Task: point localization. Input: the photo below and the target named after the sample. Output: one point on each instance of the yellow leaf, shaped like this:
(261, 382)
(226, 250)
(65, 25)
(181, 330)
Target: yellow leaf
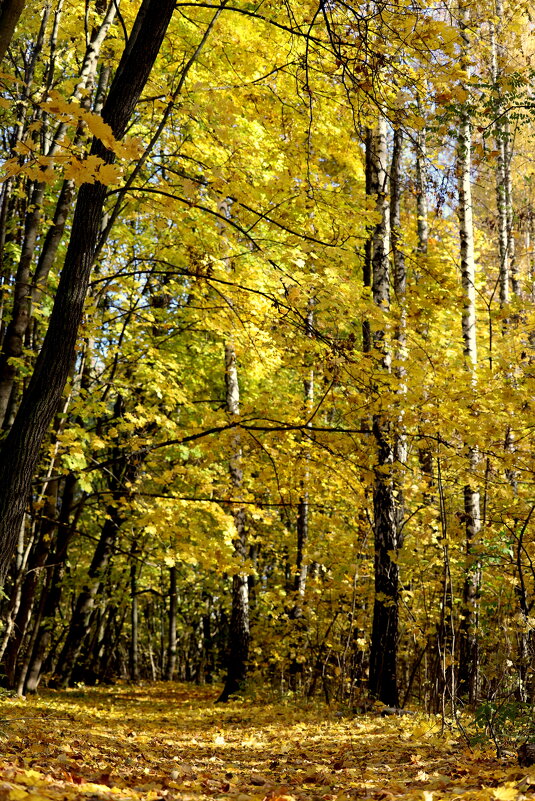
(506, 793)
(109, 174)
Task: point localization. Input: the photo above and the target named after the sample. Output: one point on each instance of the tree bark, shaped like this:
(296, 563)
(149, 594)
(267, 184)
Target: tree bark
(468, 642)
(371, 189)
(170, 663)
(500, 143)
(10, 11)
(382, 681)
(134, 621)
(303, 509)
(239, 634)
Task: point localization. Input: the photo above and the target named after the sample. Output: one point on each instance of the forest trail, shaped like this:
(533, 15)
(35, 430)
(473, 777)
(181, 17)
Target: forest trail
(172, 742)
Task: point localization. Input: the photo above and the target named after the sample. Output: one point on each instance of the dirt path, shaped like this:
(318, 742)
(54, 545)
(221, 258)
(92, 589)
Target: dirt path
(172, 742)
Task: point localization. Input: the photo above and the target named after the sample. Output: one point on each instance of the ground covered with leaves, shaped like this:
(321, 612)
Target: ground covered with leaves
(172, 742)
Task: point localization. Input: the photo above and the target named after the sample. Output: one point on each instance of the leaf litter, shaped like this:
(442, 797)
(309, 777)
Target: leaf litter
(170, 741)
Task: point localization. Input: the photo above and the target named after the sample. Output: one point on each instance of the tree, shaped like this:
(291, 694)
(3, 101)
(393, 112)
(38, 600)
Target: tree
(21, 448)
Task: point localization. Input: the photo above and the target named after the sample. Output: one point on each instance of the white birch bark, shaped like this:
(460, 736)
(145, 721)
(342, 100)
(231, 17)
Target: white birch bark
(383, 651)
(380, 239)
(500, 144)
(239, 634)
(468, 657)
(239, 629)
(303, 508)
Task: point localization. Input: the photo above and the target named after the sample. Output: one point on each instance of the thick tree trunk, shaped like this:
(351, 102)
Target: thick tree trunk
(383, 653)
(21, 449)
(10, 11)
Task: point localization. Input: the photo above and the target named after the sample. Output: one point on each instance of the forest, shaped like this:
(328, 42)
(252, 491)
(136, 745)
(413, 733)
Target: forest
(267, 334)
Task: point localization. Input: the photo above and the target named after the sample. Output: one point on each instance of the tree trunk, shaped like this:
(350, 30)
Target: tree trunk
(170, 664)
(10, 11)
(85, 604)
(20, 453)
(468, 643)
(400, 290)
(134, 623)
(383, 651)
(303, 510)
(371, 189)
(239, 635)
(500, 143)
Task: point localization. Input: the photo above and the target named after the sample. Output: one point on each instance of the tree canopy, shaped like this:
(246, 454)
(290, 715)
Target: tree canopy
(267, 287)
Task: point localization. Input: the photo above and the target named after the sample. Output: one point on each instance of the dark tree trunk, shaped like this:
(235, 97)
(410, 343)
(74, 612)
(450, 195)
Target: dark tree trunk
(134, 623)
(238, 638)
(383, 654)
(20, 454)
(85, 604)
(170, 664)
(10, 11)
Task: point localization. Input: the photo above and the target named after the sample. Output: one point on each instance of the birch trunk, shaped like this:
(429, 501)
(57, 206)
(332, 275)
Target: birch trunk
(303, 507)
(425, 454)
(468, 641)
(384, 642)
(371, 190)
(400, 290)
(239, 634)
(500, 136)
(303, 511)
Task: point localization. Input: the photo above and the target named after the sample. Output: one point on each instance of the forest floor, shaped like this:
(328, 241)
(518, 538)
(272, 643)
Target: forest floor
(171, 742)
